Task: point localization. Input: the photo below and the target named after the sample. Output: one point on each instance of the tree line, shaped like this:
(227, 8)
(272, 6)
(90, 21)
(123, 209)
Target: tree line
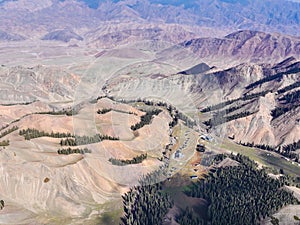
(277, 76)
(278, 111)
(284, 150)
(240, 194)
(123, 162)
(4, 143)
(218, 119)
(146, 119)
(292, 147)
(288, 88)
(105, 110)
(68, 151)
(8, 131)
(245, 97)
(85, 140)
(172, 110)
(175, 113)
(291, 97)
(290, 102)
(31, 133)
(70, 112)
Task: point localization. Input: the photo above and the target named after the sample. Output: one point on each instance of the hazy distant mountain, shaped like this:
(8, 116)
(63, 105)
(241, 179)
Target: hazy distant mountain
(222, 14)
(4, 36)
(120, 34)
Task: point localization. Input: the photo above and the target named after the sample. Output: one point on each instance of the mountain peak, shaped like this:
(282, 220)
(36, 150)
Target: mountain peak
(244, 34)
(62, 35)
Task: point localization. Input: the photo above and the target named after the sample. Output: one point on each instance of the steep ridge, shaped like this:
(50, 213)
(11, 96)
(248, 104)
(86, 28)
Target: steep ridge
(269, 124)
(246, 114)
(246, 46)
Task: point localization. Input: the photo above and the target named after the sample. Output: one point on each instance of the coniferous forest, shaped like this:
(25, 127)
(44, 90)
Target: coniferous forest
(235, 195)
(146, 204)
(241, 194)
(146, 119)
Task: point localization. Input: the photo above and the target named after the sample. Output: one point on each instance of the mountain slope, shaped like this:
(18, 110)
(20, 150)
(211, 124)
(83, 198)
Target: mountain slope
(19, 84)
(62, 35)
(108, 36)
(243, 46)
(247, 93)
(4, 36)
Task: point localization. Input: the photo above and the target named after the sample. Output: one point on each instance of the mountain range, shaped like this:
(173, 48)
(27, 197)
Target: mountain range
(95, 94)
(230, 15)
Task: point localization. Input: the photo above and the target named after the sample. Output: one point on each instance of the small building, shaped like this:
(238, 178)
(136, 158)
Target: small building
(206, 138)
(178, 154)
(200, 148)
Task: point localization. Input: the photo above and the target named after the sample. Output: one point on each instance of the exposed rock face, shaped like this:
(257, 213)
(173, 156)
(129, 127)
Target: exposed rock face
(211, 88)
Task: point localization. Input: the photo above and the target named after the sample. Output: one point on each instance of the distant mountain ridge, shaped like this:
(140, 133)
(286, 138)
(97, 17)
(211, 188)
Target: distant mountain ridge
(231, 15)
(246, 45)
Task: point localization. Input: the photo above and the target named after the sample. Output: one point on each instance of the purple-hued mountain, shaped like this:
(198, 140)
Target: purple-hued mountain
(50, 15)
